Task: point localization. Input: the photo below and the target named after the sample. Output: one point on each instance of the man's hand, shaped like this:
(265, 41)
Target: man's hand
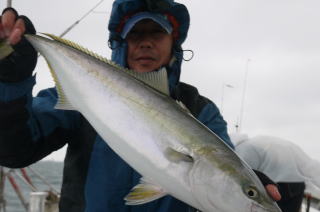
(16, 65)
(11, 27)
(269, 185)
(273, 192)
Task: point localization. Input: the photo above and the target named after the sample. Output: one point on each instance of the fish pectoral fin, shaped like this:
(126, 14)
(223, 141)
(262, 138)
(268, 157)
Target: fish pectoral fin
(143, 193)
(177, 156)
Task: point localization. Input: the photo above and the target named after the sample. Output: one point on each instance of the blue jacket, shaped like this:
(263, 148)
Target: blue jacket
(94, 178)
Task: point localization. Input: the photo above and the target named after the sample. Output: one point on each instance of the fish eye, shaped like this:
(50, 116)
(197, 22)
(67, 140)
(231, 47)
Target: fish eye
(251, 192)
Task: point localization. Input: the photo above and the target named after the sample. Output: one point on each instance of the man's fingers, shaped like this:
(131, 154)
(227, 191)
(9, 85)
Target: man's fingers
(11, 28)
(17, 32)
(20, 24)
(15, 36)
(273, 192)
(8, 20)
(2, 35)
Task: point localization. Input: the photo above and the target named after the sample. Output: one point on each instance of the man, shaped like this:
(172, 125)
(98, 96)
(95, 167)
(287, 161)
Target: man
(285, 163)
(144, 36)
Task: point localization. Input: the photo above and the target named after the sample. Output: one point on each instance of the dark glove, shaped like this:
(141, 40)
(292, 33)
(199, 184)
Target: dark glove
(20, 64)
(265, 180)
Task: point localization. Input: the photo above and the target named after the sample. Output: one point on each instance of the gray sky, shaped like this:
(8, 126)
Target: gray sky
(280, 37)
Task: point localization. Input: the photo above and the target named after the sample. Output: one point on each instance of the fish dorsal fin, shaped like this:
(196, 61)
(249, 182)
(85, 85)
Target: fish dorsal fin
(62, 103)
(144, 192)
(158, 80)
(79, 47)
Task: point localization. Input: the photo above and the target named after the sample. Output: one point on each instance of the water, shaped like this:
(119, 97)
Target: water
(51, 171)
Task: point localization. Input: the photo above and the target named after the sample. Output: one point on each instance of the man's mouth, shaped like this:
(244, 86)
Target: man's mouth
(145, 59)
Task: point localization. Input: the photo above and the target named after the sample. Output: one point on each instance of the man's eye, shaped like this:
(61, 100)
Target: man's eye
(133, 35)
(154, 33)
(160, 31)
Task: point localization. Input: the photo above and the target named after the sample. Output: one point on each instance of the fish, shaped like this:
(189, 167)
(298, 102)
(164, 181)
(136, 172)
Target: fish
(156, 135)
(5, 49)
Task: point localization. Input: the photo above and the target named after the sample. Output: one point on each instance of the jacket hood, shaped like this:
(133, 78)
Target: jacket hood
(123, 8)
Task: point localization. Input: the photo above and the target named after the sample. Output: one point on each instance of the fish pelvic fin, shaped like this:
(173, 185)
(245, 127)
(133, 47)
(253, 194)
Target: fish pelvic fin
(5, 49)
(144, 192)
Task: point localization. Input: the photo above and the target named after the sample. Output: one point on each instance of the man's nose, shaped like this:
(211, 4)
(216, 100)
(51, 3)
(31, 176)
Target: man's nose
(145, 43)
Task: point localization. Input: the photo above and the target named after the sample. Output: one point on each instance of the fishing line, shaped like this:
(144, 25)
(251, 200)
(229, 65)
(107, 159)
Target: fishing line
(78, 21)
(83, 17)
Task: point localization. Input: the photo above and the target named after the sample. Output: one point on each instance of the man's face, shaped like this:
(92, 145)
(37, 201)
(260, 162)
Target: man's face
(149, 46)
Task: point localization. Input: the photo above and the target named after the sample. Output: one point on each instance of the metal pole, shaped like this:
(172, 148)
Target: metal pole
(222, 95)
(26, 177)
(24, 180)
(9, 3)
(2, 183)
(17, 190)
(43, 180)
(239, 124)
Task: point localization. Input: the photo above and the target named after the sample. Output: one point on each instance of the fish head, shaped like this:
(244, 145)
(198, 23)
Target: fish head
(233, 189)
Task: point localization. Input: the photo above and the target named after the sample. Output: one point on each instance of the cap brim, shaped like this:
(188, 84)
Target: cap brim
(158, 18)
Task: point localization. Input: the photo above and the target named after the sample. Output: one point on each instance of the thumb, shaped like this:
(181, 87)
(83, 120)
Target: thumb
(273, 192)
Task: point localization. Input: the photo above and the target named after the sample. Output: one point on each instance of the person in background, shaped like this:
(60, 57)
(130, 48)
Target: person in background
(145, 36)
(285, 163)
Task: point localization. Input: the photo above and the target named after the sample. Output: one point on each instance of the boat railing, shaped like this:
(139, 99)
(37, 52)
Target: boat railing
(38, 201)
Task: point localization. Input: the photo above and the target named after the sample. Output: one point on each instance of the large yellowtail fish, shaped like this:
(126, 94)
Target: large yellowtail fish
(133, 113)
(5, 49)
